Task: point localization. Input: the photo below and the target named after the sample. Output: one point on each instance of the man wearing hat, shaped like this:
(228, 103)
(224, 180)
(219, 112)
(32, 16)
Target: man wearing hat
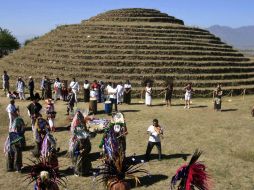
(31, 87)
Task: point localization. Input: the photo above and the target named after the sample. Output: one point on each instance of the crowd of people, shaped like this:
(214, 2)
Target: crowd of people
(43, 127)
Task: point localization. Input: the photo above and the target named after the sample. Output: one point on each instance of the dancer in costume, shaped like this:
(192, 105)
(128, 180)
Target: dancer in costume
(81, 149)
(13, 152)
(191, 176)
(115, 173)
(148, 97)
(51, 114)
(49, 150)
(188, 93)
(155, 131)
(41, 129)
(217, 95)
(45, 176)
(18, 126)
(80, 145)
(114, 138)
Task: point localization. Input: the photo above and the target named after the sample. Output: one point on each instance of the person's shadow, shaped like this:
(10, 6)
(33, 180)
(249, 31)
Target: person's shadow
(147, 180)
(163, 156)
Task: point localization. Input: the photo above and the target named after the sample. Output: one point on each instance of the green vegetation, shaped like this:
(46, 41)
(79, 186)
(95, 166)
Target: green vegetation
(8, 42)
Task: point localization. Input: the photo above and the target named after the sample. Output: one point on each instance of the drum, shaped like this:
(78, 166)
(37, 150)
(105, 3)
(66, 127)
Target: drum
(108, 107)
(93, 105)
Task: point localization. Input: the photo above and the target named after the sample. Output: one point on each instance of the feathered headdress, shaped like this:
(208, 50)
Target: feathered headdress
(41, 168)
(191, 175)
(120, 169)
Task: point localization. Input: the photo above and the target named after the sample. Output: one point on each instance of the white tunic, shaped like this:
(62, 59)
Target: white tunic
(148, 96)
(120, 91)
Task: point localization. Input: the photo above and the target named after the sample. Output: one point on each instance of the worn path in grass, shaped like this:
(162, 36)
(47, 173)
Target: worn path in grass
(226, 138)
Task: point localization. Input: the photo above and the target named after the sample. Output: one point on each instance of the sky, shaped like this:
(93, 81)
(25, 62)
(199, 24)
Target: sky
(26, 18)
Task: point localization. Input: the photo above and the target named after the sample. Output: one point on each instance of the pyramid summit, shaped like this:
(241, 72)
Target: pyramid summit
(134, 44)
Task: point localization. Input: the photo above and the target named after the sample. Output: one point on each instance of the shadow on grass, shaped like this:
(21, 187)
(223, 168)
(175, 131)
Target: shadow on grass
(63, 128)
(62, 153)
(94, 156)
(173, 105)
(28, 128)
(125, 111)
(162, 104)
(146, 181)
(226, 110)
(200, 106)
(28, 148)
(164, 156)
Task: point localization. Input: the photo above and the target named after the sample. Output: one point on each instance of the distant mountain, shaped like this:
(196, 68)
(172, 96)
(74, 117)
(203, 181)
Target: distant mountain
(23, 38)
(240, 38)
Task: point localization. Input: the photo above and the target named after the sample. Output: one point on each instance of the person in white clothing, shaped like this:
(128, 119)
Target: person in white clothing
(75, 88)
(120, 91)
(187, 97)
(21, 88)
(148, 97)
(58, 89)
(112, 91)
(12, 112)
(155, 131)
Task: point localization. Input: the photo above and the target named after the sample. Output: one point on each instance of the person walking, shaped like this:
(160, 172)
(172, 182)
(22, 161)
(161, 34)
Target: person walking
(217, 95)
(120, 92)
(86, 91)
(155, 132)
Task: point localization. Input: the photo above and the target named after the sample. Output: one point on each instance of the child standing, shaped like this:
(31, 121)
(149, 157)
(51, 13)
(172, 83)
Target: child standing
(71, 100)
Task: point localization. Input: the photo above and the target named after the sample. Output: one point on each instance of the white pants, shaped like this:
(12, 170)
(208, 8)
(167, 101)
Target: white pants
(21, 95)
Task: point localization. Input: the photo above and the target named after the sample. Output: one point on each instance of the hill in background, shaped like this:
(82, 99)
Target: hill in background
(240, 38)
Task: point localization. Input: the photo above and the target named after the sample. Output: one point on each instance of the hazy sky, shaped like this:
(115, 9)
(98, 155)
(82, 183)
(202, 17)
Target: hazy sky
(36, 17)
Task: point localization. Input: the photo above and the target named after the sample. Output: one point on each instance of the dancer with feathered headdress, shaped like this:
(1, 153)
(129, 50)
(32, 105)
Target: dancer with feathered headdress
(45, 176)
(115, 172)
(192, 175)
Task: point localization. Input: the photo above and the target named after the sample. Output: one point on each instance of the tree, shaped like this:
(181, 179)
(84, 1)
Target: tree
(8, 42)
(30, 40)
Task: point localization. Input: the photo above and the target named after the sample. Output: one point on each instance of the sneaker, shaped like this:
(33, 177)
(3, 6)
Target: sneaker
(76, 175)
(188, 107)
(185, 107)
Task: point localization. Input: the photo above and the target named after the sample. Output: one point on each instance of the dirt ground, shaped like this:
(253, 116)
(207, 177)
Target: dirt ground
(226, 139)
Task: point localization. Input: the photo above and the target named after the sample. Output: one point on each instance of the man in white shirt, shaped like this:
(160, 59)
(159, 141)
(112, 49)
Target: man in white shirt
(75, 88)
(155, 131)
(12, 112)
(112, 95)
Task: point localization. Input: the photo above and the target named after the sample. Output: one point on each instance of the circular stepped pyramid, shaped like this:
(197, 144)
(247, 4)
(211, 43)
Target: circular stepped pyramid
(135, 44)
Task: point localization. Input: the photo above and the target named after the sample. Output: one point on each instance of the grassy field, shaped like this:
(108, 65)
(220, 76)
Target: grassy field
(226, 138)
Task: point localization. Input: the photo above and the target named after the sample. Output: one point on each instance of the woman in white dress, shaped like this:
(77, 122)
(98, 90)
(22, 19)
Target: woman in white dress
(188, 92)
(148, 91)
